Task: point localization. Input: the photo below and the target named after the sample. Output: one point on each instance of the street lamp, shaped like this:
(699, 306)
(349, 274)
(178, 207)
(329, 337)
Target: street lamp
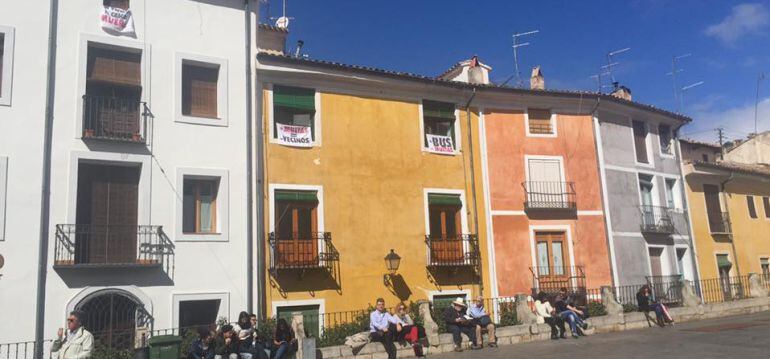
(392, 262)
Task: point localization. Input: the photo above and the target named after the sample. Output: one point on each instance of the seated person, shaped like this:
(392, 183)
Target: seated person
(646, 304)
(407, 330)
(201, 348)
(283, 340)
(482, 320)
(226, 343)
(569, 314)
(457, 322)
(382, 328)
(547, 314)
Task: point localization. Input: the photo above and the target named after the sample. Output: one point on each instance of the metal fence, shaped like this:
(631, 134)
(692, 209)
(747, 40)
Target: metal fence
(549, 195)
(723, 289)
(89, 245)
(115, 119)
(24, 350)
(453, 251)
(656, 219)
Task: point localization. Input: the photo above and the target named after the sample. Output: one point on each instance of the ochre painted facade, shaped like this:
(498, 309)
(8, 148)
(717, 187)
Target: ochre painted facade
(374, 174)
(508, 147)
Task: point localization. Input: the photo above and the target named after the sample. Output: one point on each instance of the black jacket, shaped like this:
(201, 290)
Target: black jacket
(643, 302)
(450, 314)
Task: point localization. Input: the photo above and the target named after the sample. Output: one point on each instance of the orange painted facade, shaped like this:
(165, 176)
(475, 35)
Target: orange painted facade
(508, 148)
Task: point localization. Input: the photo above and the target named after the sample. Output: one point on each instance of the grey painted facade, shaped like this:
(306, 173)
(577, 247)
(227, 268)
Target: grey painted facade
(631, 242)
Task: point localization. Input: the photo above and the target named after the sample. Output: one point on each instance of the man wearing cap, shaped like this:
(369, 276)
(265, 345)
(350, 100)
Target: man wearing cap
(457, 323)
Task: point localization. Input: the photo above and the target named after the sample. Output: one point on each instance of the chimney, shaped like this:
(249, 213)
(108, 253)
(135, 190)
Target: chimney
(621, 92)
(272, 39)
(536, 80)
(470, 71)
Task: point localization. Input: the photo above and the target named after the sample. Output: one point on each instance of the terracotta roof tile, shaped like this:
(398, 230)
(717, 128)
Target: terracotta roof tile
(752, 169)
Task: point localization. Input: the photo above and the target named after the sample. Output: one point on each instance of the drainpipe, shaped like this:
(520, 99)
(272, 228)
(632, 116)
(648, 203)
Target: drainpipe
(473, 180)
(45, 191)
(727, 210)
(249, 145)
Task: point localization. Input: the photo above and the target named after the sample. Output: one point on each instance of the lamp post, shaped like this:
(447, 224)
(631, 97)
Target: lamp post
(392, 262)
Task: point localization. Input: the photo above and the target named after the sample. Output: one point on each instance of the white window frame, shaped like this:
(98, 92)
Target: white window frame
(687, 265)
(566, 228)
(456, 127)
(6, 91)
(655, 194)
(268, 88)
(222, 88)
(548, 135)
(3, 193)
(527, 158)
(272, 187)
(223, 204)
(761, 257)
(321, 303)
(177, 298)
(121, 44)
(670, 140)
(675, 195)
(647, 144)
(458, 292)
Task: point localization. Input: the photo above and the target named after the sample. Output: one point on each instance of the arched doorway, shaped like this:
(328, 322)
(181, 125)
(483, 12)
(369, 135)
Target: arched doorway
(113, 316)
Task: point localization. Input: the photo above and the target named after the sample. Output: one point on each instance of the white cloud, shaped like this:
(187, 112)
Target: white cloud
(744, 19)
(737, 121)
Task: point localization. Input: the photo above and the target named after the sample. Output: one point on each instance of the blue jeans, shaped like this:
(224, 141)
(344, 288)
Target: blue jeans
(281, 351)
(571, 318)
(658, 310)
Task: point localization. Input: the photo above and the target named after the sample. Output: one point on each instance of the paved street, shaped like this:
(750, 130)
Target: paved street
(732, 337)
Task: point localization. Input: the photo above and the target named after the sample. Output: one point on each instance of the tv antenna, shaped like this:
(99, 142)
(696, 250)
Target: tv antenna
(608, 67)
(599, 80)
(282, 21)
(686, 88)
(760, 77)
(675, 70)
(516, 46)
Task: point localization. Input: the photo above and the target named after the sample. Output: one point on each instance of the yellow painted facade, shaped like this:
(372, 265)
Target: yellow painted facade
(749, 242)
(374, 174)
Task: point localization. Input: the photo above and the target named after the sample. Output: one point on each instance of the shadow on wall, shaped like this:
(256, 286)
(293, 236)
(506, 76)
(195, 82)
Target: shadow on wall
(397, 285)
(453, 276)
(290, 281)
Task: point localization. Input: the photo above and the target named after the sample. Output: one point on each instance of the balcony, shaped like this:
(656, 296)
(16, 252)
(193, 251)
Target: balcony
(108, 246)
(550, 279)
(302, 252)
(114, 119)
(448, 252)
(719, 223)
(542, 195)
(656, 219)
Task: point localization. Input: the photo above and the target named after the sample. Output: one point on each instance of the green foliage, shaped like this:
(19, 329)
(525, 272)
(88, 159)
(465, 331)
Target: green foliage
(628, 308)
(437, 312)
(189, 337)
(596, 309)
(414, 312)
(266, 328)
(101, 352)
(336, 335)
(508, 315)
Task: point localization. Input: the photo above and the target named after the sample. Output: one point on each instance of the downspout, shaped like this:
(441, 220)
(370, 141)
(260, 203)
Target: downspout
(258, 200)
(473, 180)
(45, 191)
(727, 209)
(249, 184)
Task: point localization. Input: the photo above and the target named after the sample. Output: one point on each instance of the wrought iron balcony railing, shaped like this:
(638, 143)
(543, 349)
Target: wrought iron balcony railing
(453, 251)
(656, 219)
(86, 245)
(720, 223)
(552, 278)
(302, 251)
(549, 195)
(114, 119)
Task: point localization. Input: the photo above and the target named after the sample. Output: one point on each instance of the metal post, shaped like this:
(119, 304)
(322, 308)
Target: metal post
(249, 194)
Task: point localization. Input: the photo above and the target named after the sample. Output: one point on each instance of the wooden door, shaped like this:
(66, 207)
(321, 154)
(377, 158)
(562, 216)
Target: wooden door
(553, 266)
(446, 234)
(297, 233)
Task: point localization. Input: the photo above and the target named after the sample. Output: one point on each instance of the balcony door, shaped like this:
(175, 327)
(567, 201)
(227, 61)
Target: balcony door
(107, 214)
(445, 213)
(714, 208)
(552, 260)
(296, 228)
(546, 187)
(113, 91)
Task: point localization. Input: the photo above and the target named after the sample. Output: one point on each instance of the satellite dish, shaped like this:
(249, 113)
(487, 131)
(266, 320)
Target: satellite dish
(282, 22)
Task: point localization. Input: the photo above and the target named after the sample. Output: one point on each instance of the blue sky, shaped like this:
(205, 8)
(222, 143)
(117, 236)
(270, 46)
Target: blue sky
(729, 42)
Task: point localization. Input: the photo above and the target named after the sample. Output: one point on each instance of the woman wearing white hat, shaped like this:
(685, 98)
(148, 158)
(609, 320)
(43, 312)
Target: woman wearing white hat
(457, 322)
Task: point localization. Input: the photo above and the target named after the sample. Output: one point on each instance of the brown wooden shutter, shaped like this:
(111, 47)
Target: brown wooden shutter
(114, 66)
(640, 141)
(766, 203)
(199, 90)
(752, 208)
(713, 208)
(539, 121)
(122, 4)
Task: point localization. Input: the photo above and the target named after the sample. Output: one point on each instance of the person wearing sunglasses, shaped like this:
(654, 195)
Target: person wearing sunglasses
(77, 342)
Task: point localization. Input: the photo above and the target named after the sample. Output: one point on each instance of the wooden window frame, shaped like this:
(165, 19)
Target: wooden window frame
(444, 209)
(766, 205)
(646, 160)
(549, 247)
(214, 209)
(294, 207)
(551, 122)
(121, 4)
(275, 109)
(425, 120)
(188, 90)
(752, 207)
(668, 150)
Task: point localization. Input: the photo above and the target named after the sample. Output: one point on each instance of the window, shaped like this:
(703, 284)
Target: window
(122, 4)
(199, 90)
(200, 205)
(310, 315)
(3, 192)
(680, 260)
(445, 300)
(646, 188)
(764, 264)
(752, 209)
(671, 200)
(296, 227)
(705, 157)
(664, 133)
(196, 313)
(539, 122)
(438, 121)
(766, 204)
(656, 261)
(717, 220)
(6, 64)
(294, 115)
(445, 226)
(640, 141)
(550, 251)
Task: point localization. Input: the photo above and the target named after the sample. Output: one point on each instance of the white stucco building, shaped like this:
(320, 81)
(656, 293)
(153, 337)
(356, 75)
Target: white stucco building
(148, 210)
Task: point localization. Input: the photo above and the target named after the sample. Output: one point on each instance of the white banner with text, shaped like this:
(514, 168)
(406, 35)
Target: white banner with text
(299, 136)
(440, 144)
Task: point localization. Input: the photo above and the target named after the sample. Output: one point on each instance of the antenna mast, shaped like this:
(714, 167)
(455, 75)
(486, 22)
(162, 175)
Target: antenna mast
(611, 64)
(675, 70)
(517, 45)
(681, 93)
(760, 77)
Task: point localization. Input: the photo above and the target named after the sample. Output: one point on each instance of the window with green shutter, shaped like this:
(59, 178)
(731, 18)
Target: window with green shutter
(438, 119)
(293, 106)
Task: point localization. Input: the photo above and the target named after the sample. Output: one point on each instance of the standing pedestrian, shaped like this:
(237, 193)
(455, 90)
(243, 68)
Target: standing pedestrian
(76, 342)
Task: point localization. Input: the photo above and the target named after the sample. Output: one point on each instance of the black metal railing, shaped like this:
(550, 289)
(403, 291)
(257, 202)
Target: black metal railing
(453, 251)
(540, 128)
(24, 350)
(550, 279)
(720, 223)
(549, 195)
(108, 245)
(723, 289)
(666, 288)
(656, 219)
(302, 251)
(115, 119)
